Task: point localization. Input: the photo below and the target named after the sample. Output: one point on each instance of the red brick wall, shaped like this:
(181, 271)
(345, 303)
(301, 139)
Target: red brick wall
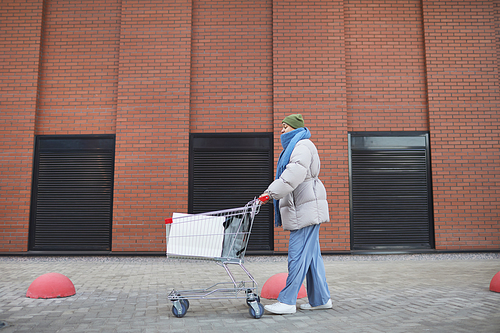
(385, 66)
(464, 115)
(79, 67)
(153, 71)
(309, 78)
(152, 126)
(231, 66)
(20, 29)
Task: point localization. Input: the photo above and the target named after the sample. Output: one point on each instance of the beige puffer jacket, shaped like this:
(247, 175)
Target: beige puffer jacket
(302, 195)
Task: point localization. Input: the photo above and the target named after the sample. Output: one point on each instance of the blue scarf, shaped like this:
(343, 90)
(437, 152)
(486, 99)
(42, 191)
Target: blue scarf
(288, 141)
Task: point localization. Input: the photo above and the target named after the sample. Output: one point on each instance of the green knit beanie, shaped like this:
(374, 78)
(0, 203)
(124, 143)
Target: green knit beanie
(294, 120)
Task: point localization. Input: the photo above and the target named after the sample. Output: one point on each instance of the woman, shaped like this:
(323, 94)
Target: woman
(300, 206)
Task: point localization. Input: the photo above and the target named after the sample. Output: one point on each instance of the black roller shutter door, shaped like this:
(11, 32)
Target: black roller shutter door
(72, 193)
(227, 171)
(391, 205)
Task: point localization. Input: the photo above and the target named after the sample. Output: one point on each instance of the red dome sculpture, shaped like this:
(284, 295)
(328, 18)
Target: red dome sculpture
(51, 285)
(495, 283)
(273, 286)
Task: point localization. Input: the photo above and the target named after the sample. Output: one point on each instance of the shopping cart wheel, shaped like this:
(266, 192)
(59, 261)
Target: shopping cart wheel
(186, 303)
(179, 308)
(257, 299)
(256, 309)
(251, 296)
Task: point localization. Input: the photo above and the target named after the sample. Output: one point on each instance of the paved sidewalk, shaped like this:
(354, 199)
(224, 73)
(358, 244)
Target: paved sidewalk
(386, 293)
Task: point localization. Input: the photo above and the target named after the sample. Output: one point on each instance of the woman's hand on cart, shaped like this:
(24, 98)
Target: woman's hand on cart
(264, 198)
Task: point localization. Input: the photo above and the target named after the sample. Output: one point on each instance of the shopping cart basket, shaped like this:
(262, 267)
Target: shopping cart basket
(221, 236)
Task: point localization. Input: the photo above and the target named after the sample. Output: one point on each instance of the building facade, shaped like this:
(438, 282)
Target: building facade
(115, 113)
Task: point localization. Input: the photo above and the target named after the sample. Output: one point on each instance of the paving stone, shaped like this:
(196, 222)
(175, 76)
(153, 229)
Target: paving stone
(370, 293)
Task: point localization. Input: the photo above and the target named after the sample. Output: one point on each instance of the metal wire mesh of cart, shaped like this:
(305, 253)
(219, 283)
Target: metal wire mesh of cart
(221, 236)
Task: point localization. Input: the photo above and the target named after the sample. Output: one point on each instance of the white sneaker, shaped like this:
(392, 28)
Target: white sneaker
(308, 306)
(281, 308)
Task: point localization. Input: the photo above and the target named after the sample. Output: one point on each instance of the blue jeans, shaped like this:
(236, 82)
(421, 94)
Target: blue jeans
(305, 261)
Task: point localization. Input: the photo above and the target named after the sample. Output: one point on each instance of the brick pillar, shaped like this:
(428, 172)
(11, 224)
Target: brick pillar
(309, 78)
(20, 25)
(152, 126)
(385, 66)
(79, 67)
(231, 66)
(461, 45)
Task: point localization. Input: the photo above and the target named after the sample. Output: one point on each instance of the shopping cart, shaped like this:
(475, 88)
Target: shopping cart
(221, 236)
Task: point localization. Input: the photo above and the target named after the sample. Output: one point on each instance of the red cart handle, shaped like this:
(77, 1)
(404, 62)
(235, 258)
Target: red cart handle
(264, 198)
